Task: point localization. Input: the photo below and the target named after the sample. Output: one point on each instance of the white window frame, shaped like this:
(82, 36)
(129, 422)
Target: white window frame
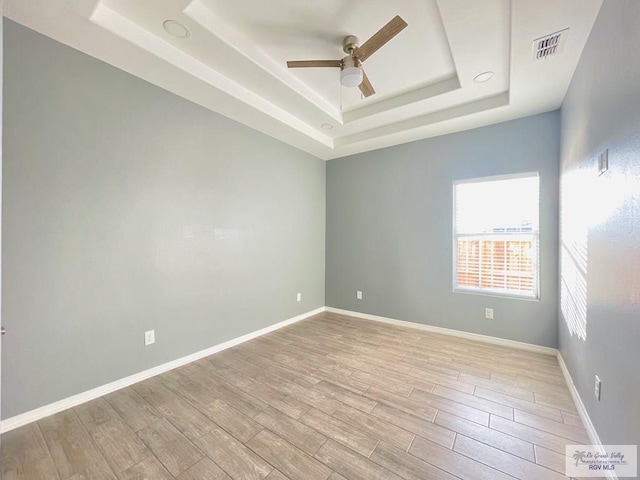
(534, 235)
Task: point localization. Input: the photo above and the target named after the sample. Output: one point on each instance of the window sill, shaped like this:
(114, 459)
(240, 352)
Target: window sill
(485, 293)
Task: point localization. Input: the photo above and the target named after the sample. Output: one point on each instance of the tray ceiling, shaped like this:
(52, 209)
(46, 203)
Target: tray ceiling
(233, 60)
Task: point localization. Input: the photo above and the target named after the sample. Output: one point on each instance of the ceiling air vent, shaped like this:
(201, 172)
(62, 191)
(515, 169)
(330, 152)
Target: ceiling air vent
(549, 45)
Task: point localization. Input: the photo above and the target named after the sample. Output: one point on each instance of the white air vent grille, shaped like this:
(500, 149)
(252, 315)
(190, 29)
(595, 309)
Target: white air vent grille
(549, 45)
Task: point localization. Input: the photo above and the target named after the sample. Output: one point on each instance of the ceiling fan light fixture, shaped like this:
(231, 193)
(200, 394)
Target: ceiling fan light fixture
(351, 76)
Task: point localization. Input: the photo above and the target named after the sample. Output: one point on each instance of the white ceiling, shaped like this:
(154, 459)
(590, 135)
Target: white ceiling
(234, 61)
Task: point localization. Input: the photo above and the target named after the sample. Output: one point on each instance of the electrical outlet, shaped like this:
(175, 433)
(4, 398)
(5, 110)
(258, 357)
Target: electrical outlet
(359, 295)
(299, 297)
(488, 313)
(598, 386)
(149, 337)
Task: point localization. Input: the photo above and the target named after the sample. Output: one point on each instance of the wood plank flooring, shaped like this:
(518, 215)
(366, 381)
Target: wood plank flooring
(331, 397)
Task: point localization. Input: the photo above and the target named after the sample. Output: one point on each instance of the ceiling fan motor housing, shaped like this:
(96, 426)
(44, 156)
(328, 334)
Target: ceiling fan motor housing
(350, 44)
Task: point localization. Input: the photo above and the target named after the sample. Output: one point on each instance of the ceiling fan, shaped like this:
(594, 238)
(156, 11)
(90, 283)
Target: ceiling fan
(351, 72)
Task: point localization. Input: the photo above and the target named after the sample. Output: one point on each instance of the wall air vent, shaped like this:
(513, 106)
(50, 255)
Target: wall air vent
(549, 45)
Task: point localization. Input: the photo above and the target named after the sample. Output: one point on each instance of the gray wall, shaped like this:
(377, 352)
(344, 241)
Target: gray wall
(389, 229)
(602, 110)
(125, 209)
(1, 77)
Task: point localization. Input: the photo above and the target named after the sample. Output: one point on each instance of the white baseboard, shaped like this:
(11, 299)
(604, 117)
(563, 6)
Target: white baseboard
(41, 412)
(582, 411)
(447, 331)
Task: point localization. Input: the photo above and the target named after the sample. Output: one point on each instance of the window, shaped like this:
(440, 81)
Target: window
(496, 235)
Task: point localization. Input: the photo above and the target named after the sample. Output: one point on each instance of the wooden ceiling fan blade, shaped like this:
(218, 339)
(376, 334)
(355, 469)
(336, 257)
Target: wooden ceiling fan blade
(314, 63)
(365, 87)
(382, 36)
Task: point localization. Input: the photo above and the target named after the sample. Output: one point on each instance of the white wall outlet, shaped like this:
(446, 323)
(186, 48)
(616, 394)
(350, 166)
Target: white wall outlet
(359, 295)
(598, 386)
(488, 313)
(299, 297)
(149, 337)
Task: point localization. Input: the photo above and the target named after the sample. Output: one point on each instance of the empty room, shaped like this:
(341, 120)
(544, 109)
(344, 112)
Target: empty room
(328, 240)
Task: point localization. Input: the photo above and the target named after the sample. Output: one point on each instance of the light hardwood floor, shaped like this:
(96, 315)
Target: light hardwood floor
(331, 397)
